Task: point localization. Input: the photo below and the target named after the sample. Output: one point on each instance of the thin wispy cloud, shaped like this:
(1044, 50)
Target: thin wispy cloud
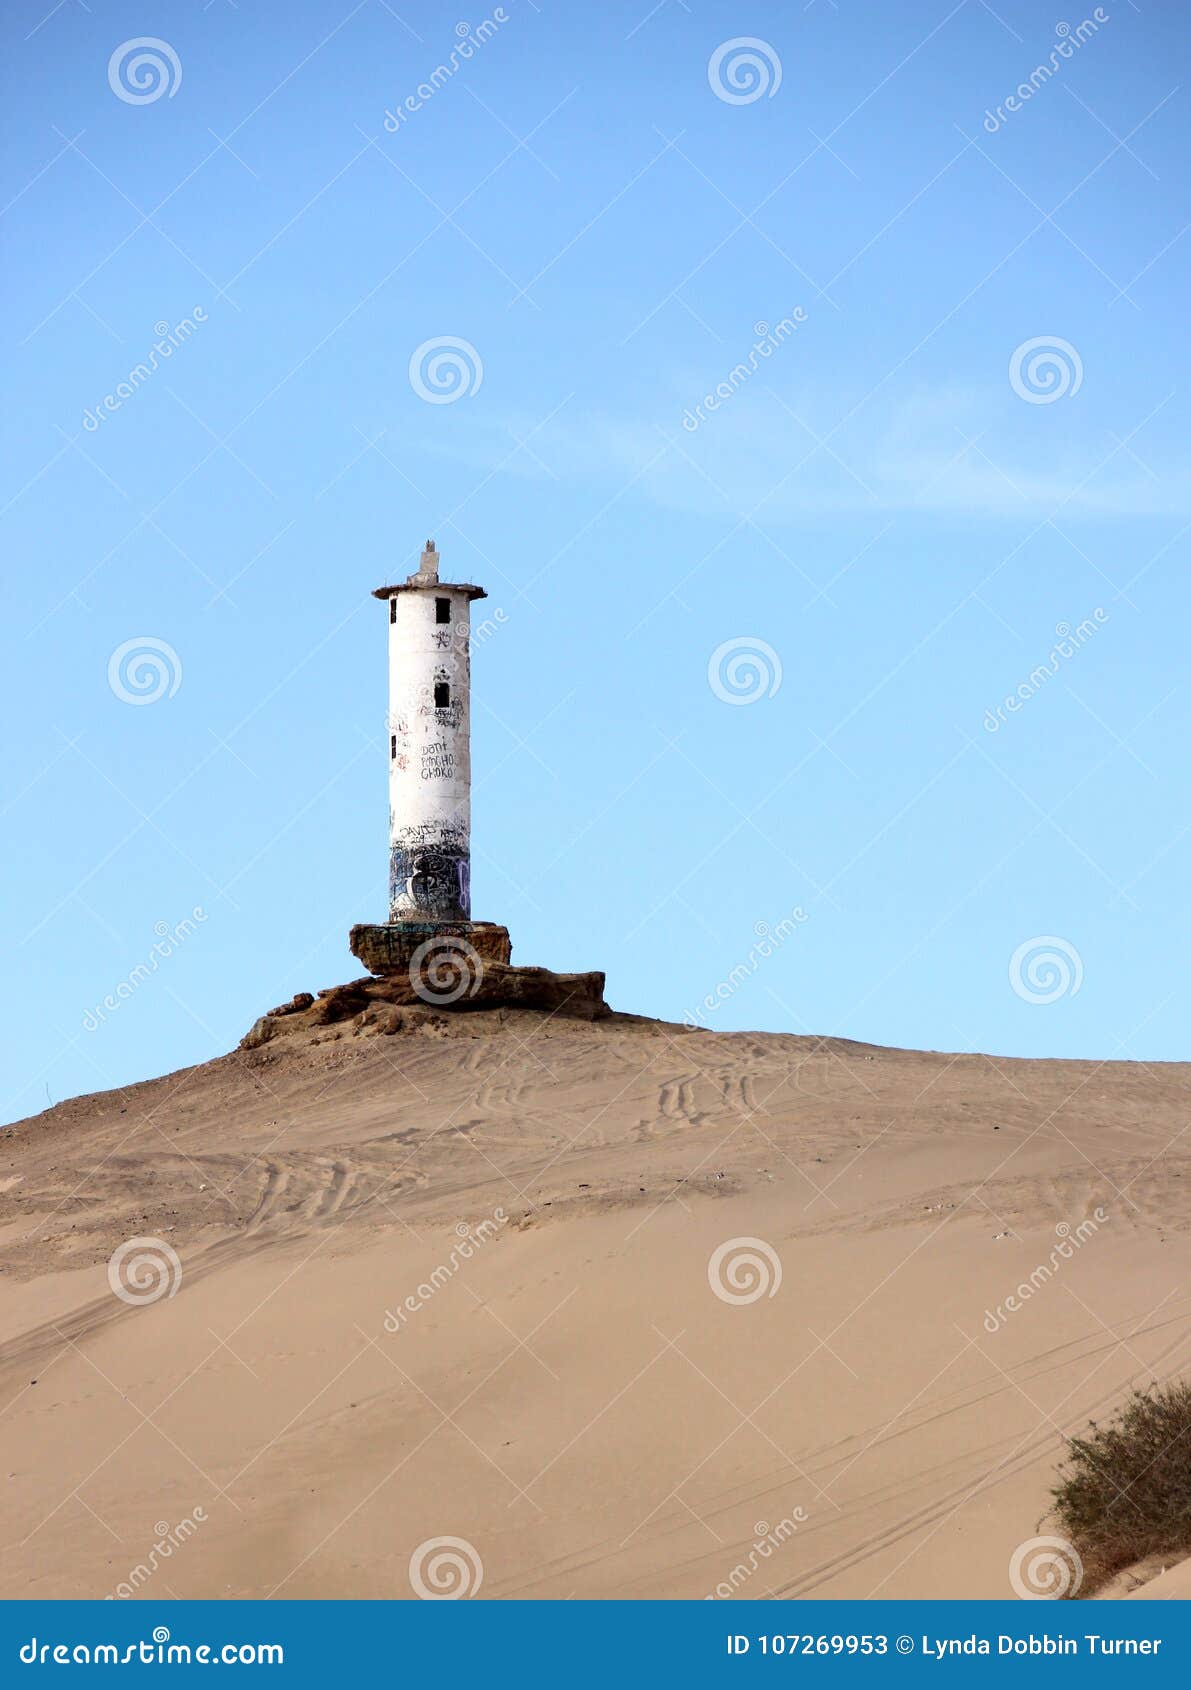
(945, 450)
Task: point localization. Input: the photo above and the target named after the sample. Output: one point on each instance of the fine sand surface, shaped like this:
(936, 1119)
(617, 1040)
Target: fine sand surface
(1173, 1585)
(570, 1396)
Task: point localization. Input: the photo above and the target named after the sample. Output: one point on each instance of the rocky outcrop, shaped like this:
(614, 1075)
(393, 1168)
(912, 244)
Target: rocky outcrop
(295, 1006)
(261, 1031)
(466, 965)
(449, 978)
(339, 1003)
(450, 982)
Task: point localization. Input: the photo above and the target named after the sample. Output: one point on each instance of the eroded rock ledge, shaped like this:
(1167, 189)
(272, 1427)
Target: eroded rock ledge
(406, 1001)
(468, 965)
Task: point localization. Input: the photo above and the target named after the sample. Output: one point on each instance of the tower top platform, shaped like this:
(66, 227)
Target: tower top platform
(425, 579)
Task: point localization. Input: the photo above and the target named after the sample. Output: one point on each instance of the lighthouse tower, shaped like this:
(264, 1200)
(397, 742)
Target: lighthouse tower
(430, 950)
(429, 746)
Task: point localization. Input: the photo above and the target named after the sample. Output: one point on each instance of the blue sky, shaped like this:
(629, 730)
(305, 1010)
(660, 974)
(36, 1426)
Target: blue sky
(894, 501)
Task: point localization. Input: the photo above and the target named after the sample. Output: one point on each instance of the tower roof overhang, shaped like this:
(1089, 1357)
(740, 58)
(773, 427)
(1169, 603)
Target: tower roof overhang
(439, 587)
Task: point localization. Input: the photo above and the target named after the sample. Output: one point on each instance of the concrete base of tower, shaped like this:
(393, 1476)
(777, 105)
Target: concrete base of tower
(395, 946)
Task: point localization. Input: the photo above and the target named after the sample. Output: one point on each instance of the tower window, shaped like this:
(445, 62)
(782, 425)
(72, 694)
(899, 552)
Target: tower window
(392, 610)
(442, 610)
(442, 695)
(392, 745)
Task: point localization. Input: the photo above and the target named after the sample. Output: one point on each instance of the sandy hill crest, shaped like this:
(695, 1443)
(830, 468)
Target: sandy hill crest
(576, 1398)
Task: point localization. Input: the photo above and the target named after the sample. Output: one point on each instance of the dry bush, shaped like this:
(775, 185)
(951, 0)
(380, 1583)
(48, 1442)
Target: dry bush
(1124, 1489)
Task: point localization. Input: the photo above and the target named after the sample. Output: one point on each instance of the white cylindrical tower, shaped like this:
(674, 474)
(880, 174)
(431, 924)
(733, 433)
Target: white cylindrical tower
(429, 745)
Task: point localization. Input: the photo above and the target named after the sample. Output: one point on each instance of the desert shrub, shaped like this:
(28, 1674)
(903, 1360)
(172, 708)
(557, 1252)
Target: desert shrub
(1124, 1489)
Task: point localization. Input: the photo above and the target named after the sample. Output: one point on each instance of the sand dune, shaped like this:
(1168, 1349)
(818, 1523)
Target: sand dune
(1173, 1584)
(454, 1282)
